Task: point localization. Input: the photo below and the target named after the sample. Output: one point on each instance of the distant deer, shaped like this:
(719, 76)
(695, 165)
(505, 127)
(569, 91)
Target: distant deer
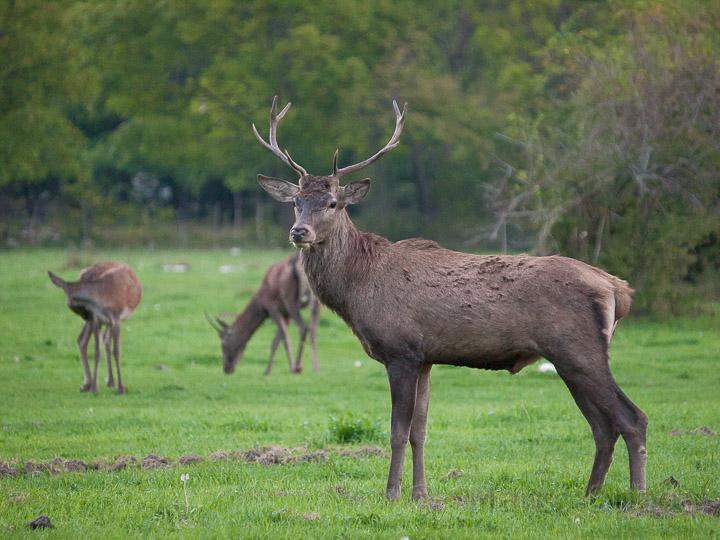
(283, 293)
(106, 294)
(413, 304)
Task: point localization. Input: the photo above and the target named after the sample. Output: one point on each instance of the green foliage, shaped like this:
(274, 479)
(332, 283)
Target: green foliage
(351, 427)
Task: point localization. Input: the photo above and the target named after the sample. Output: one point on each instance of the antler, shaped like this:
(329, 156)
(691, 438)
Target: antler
(275, 117)
(218, 324)
(392, 143)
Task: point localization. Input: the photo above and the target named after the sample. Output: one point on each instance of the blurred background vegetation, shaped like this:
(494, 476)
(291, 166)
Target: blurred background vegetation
(587, 128)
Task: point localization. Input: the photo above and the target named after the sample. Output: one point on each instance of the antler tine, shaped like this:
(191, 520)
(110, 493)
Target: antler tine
(392, 143)
(273, 146)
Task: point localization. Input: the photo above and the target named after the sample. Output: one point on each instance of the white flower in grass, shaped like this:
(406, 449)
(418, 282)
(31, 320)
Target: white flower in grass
(184, 477)
(358, 364)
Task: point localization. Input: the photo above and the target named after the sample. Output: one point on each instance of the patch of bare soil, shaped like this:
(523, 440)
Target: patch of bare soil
(190, 459)
(318, 455)
(41, 522)
(152, 461)
(363, 451)
(454, 473)
(68, 465)
(221, 455)
(270, 455)
(703, 431)
(7, 468)
(32, 467)
(711, 508)
(651, 509)
(274, 455)
(123, 462)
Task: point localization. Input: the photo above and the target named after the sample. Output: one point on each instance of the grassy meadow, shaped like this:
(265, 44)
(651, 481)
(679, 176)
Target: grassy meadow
(506, 456)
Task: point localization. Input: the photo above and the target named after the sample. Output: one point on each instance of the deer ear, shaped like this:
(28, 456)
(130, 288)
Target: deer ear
(355, 192)
(280, 190)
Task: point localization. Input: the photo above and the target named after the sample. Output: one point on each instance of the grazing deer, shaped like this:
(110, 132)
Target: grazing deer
(106, 294)
(283, 293)
(413, 304)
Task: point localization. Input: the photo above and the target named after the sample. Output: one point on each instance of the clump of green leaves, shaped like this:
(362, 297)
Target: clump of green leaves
(352, 428)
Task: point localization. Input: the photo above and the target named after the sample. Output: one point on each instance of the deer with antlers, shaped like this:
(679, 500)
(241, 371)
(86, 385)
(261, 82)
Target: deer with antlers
(414, 304)
(106, 294)
(283, 293)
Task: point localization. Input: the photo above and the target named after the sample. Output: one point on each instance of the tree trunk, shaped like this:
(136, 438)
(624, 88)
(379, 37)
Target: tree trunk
(259, 219)
(422, 183)
(237, 211)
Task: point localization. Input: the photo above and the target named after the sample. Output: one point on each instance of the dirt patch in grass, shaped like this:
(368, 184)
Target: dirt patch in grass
(190, 459)
(151, 461)
(266, 455)
(123, 462)
(711, 508)
(363, 451)
(702, 431)
(8, 468)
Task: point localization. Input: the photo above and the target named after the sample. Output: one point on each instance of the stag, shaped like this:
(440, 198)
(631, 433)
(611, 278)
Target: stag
(413, 304)
(106, 294)
(283, 293)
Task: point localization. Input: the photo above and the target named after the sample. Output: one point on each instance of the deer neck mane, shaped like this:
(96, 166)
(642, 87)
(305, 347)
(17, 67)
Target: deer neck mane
(345, 259)
(248, 322)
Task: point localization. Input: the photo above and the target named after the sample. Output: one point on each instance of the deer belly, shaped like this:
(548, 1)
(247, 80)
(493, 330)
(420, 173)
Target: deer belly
(511, 361)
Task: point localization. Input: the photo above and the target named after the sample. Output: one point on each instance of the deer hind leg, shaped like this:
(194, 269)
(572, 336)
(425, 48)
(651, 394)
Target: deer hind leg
(273, 348)
(609, 412)
(96, 334)
(403, 391)
(604, 433)
(418, 429)
(283, 329)
(82, 341)
(115, 332)
(315, 319)
(107, 339)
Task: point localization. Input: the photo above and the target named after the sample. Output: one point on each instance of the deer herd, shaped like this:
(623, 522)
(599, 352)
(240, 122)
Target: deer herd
(412, 304)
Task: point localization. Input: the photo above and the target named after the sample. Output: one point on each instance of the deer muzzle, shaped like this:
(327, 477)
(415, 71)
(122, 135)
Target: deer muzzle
(301, 236)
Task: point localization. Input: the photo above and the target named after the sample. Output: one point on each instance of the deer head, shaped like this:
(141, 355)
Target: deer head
(318, 200)
(232, 346)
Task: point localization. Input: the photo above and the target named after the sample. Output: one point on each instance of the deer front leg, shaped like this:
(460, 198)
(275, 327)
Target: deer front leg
(418, 429)
(283, 329)
(96, 333)
(403, 388)
(273, 349)
(82, 342)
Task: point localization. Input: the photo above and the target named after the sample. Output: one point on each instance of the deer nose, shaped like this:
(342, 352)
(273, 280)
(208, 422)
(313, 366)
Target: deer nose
(298, 233)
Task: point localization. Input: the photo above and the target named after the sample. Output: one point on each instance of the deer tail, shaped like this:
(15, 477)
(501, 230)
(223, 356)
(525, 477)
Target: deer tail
(623, 297)
(58, 281)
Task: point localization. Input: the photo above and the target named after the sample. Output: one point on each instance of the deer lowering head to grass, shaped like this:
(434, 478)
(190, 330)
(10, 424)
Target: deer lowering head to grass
(106, 294)
(413, 304)
(283, 293)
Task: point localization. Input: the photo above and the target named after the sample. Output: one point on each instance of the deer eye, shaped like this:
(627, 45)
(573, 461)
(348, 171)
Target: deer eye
(333, 204)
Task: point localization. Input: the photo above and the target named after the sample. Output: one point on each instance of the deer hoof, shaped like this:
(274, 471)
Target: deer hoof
(111, 384)
(121, 389)
(393, 494)
(85, 387)
(419, 495)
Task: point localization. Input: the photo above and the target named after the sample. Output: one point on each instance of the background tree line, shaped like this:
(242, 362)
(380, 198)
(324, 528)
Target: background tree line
(587, 128)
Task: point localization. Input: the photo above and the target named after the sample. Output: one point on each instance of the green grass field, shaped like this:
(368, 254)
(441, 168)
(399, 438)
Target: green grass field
(507, 456)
